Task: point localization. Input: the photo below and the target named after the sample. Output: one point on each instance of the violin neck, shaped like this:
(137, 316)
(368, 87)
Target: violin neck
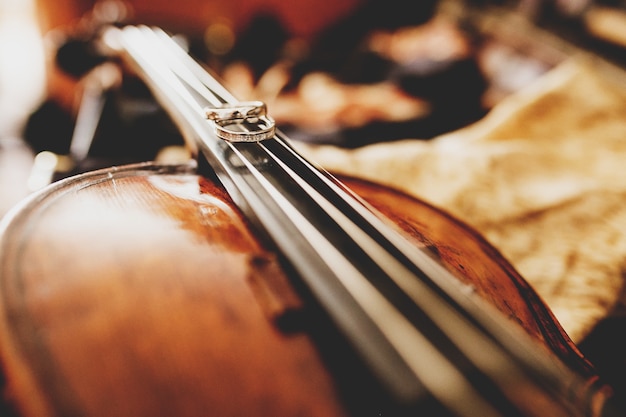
(422, 334)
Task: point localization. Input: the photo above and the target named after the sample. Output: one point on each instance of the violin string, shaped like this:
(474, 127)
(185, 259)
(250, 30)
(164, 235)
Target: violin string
(199, 72)
(479, 313)
(346, 265)
(252, 192)
(187, 76)
(475, 343)
(183, 70)
(426, 360)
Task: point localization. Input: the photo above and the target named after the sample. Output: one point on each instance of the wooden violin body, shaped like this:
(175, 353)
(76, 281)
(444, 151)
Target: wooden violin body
(142, 291)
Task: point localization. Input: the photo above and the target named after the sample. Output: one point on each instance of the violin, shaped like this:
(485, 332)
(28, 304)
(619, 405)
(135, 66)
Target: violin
(251, 282)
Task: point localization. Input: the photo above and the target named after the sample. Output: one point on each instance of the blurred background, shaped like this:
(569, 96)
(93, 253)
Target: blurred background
(343, 72)
(346, 72)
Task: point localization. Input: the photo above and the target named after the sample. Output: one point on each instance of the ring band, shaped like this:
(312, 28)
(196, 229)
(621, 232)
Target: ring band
(266, 130)
(250, 113)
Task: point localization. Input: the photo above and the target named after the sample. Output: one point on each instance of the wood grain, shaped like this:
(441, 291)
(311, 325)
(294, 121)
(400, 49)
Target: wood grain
(141, 291)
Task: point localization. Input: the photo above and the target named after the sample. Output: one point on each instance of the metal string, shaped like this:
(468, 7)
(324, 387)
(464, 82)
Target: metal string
(187, 88)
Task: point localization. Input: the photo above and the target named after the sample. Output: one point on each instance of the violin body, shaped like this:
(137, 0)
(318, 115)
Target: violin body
(142, 291)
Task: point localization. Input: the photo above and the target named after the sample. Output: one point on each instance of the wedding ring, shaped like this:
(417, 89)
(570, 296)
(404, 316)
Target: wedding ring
(246, 121)
(233, 131)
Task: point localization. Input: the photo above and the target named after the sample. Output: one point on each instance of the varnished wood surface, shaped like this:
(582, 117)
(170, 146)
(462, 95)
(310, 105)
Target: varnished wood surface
(125, 304)
(142, 292)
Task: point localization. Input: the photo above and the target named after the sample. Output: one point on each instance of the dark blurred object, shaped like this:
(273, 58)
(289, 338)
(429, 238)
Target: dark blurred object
(605, 348)
(453, 85)
(261, 44)
(453, 89)
(597, 26)
(76, 57)
(49, 128)
(117, 120)
(78, 51)
(130, 127)
(422, 54)
(337, 48)
(607, 23)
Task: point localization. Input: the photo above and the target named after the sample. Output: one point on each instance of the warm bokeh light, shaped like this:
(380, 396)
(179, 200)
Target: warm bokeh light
(21, 64)
(22, 86)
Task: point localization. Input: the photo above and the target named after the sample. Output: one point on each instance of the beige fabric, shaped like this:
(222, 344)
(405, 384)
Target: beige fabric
(543, 177)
